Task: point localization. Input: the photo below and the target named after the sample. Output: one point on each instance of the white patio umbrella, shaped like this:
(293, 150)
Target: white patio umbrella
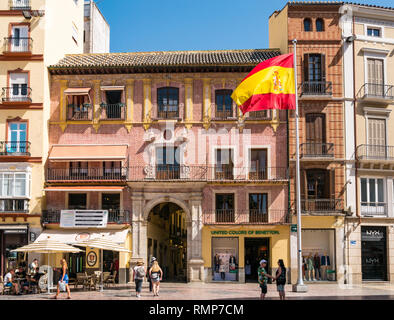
(47, 246)
(102, 244)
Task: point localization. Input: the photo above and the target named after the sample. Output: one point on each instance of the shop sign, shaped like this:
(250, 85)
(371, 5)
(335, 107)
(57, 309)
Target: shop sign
(91, 259)
(84, 236)
(293, 228)
(244, 232)
(372, 234)
(15, 231)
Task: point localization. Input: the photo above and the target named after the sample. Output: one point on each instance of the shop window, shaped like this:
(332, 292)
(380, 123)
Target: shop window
(372, 196)
(225, 259)
(224, 104)
(225, 207)
(307, 24)
(168, 102)
(258, 207)
(77, 201)
(319, 25)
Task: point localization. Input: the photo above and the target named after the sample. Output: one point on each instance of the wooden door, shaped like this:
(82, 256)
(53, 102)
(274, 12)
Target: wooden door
(315, 134)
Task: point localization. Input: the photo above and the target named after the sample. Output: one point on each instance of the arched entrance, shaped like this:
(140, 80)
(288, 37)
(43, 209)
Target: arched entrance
(167, 240)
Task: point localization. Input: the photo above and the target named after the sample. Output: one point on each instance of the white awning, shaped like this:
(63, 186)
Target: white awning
(12, 227)
(73, 237)
(112, 88)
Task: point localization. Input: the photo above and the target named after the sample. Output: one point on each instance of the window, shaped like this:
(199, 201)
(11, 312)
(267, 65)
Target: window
(319, 25)
(314, 74)
(224, 103)
(77, 201)
(372, 196)
(17, 136)
(318, 184)
(375, 70)
(258, 164)
(114, 108)
(224, 207)
(14, 185)
(78, 169)
(224, 164)
(307, 24)
(168, 102)
(110, 201)
(112, 169)
(19, 87)
(167, 160)
(373, 32)
(19, 41)
(258, 207)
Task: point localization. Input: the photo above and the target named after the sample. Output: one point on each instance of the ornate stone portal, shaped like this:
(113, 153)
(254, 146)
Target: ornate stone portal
(191, 204)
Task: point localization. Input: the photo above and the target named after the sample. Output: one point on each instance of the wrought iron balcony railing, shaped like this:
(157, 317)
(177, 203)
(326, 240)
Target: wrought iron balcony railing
(86, 174)
(374, 91)
(173, 114)
(79, 112)
(114, 216)
(19, 45)
(375, 152)
(223, 115)
(260, 115)
(16, 93)
(317, 150)
(14, 205)
(19, 4)
(252, 216)
(322, 206)
(374, 208)
(206, 173)
(115, 111)
(14, 148)
(317, 88)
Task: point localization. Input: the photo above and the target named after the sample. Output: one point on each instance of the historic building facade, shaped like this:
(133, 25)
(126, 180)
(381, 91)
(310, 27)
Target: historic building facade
(34, 34)
(156, 140)
(321, 128)
(368, 34)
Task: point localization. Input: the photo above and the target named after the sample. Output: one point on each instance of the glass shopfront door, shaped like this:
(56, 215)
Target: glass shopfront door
(373, 253)
(256, 249)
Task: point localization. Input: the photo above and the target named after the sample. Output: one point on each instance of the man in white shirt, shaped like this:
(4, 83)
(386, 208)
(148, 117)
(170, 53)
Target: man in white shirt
(33, 266)
(8, 281)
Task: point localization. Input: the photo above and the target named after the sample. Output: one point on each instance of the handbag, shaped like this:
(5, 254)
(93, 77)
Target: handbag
(62, 286)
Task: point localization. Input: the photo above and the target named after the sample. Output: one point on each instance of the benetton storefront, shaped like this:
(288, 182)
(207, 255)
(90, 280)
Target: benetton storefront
(233, 253)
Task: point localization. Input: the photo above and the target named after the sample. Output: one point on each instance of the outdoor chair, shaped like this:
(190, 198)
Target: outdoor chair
(106, 276)
(111, 279)
(80, 280)
(92, 282)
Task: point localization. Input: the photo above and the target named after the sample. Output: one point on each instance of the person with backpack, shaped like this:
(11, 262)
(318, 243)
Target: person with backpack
(281, 279)
(138, 277)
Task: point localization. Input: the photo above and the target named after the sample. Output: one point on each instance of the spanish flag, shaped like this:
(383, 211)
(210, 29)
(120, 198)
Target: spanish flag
(270, 85)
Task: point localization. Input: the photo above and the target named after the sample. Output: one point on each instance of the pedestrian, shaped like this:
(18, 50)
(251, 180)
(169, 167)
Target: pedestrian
(63, 280)
(9, 279)
(263, 278)
(148, 277)
(33, 266)
(138, 277)
(280, 278)
(156, 275)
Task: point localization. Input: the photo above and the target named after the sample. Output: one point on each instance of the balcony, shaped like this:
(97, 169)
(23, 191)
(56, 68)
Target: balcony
(86, 174)
(317, 150)
(377, 93)
(374, 209)
(259, 115)
(14, 205)
(224, 115)
(174, 114)
(115, 111)
(368, 152)
(114, 216)
(19, 46)
(254, 217)
(79, 112)
(19, 4)
(17, 94)
(316, 88)
(204, 173)
(322, 206)
(15, 148)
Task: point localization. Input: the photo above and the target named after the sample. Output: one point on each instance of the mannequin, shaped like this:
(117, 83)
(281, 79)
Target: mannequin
(232, 262)
(222, 268)
(316, 264)
(248, 268)
(216, 260)
(309, 267)
(324, 263)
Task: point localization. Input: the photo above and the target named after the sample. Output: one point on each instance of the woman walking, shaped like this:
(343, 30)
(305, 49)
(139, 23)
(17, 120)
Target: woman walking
(156, 275)
(281, 279)
(63, 279)
(138, 277)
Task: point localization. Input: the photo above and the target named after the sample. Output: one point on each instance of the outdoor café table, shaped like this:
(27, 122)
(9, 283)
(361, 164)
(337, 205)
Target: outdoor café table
(19, 282)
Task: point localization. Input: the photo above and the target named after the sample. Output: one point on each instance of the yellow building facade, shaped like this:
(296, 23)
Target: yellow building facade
(34, 34)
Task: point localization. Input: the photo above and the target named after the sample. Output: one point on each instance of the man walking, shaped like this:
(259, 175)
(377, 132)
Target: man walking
(263, 278)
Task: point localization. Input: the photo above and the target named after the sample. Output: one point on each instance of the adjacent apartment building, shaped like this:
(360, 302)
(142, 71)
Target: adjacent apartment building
(155, 139)
(322, 140)
(96, 35)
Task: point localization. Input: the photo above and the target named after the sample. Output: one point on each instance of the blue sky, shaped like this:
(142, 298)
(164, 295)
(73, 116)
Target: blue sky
(162, 25)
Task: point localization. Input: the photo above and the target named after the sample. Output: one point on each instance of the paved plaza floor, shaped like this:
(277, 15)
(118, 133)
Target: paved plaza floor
(226, 291)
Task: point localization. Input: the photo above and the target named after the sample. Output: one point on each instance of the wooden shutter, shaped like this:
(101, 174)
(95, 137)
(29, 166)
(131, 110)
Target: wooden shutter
(315, 128)
(377, 132)
(332, 183)
(323, 67)
(306, 67)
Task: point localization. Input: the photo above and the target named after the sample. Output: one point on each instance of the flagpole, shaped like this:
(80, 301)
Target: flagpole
(299, 287)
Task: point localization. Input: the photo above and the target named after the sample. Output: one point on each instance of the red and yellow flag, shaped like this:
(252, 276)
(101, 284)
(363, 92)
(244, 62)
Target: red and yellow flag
(270, 85)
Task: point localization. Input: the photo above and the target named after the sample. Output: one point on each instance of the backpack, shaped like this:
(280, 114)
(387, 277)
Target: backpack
(140, 272)
(282, 278)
